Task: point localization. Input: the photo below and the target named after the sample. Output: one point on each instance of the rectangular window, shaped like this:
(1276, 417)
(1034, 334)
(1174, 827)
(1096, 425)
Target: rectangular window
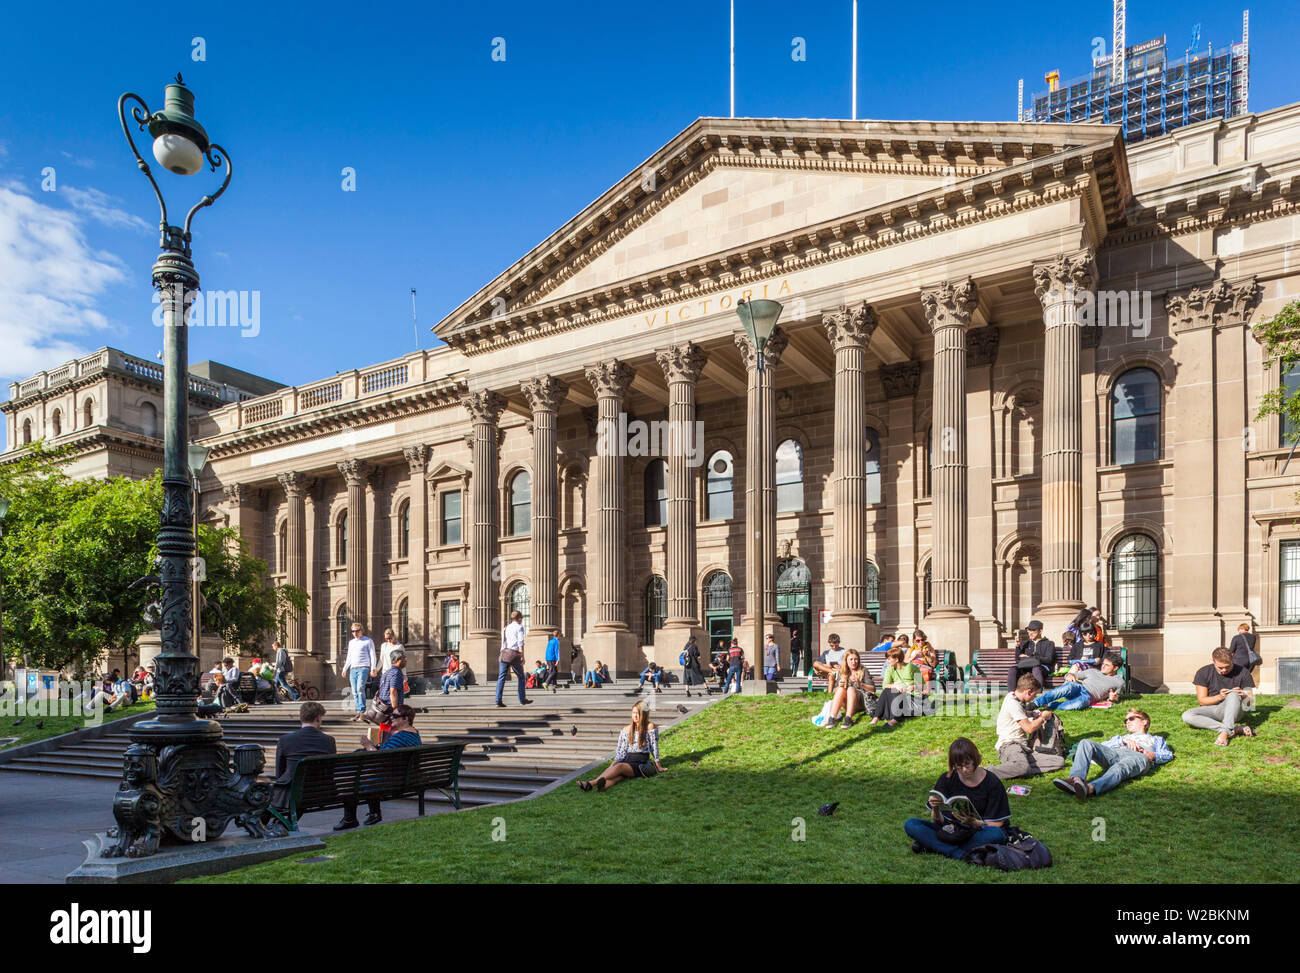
(1290, 384)
(1289, 573)
(451, 517)
(450, 626)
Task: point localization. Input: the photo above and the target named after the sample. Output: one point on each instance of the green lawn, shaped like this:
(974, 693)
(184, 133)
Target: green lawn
(27, 731)
(740, 772)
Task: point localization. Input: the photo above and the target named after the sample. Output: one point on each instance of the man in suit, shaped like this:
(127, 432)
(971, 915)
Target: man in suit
(306, 741)
(1243, 643)
(1036, 654)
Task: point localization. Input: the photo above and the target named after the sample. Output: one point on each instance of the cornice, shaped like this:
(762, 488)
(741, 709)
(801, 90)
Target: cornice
(1201, 211)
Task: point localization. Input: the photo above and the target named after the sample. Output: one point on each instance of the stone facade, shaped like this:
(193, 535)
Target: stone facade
(952, 436)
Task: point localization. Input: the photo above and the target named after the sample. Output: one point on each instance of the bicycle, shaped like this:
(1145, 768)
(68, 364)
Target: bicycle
(302, 687)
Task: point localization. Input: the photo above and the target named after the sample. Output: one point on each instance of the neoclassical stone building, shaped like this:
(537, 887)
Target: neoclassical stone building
(964, 425)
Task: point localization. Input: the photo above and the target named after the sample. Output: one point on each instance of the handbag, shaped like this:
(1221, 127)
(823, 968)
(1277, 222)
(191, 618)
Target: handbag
(510, 656)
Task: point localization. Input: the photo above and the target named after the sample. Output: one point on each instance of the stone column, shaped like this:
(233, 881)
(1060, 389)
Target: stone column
(901, 599)
(849, 331)
(948, 309)
(981, 520)
(245, 507)
(544, 395)
(1062, 285)
(610, 641)
(417, 599)
(480, 649)
(760, 495)
(682, 365)
(354, 474)
(295, 493)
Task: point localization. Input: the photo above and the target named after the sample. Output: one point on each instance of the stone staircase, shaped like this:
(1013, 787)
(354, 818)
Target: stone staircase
(510, 753)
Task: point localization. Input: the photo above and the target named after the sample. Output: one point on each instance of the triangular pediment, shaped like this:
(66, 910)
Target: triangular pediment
(723, 184)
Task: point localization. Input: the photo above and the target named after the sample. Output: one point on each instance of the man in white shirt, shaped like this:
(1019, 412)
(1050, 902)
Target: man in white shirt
(512, 648)
(829, 663)
(1018, 726)
(361, 659)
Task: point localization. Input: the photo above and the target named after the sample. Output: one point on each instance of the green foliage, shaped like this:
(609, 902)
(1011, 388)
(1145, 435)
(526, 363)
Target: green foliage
(71, 549)
(1279, 337)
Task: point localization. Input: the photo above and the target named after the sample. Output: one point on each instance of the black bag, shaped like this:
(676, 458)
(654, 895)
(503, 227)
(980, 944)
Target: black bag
(1050, 737)
(954, 833)
(1022, 850)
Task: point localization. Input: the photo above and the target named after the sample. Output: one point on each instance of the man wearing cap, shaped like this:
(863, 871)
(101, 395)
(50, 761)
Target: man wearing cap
(1035, 654)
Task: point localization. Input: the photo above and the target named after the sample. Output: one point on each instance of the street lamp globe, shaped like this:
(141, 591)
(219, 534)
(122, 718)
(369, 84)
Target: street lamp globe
(198, 458)
(180, 142)
(759, 318)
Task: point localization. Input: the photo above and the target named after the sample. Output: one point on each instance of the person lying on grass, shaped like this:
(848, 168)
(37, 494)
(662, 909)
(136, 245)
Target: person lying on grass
(1223, 690)
(1124, 756)
(850, 686)
(637, 754)
(965, 778)
(1083, 687)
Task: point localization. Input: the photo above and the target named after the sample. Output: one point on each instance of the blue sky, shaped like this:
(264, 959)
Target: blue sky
(462, 163)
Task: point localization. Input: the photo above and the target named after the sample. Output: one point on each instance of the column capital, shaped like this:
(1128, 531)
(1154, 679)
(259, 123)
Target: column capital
(545, 394)
(850, 326)
(293, 484)
(949, 304)
(417, 458)
(982, 345)
(483, 406)
(772, 351)
(611, 378)
(1223, 302)
(239, 494)
(354, 472)
(682, 363)
(1065, 277)
(901, 380)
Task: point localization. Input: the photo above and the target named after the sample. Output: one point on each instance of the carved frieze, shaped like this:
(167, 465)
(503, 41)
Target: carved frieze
(1222, 303)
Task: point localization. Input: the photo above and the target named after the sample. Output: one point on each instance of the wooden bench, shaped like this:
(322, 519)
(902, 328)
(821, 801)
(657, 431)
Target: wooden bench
(988, 668)
(322, 783)
(874, 664)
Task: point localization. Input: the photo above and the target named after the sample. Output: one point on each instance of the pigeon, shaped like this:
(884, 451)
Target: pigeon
(826, 810)
(40, 724)
(681, 708)
(19, 720)
(573, 730)
(556, 731)
(688, 694)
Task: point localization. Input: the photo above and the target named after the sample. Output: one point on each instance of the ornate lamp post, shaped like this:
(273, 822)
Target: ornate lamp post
(759, 318)
(4, 510)
(177, 778)
(197, 458)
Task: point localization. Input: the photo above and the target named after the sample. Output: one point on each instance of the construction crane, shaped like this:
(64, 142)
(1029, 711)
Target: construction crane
(1118, 53)
(1195, 43)
(1052, 78)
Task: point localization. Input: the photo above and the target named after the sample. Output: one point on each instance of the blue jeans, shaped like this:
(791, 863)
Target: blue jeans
(653, 678)
(453, 679)
(593, 678)
(1118, 763)
(925, 831)
(733, 672)
(769, 673)
(359, 678)
(1072, 695)
(503, 668)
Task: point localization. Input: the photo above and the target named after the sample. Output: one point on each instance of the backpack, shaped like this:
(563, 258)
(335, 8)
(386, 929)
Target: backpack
(1022, 850)
(681, 659)
(1050, 738)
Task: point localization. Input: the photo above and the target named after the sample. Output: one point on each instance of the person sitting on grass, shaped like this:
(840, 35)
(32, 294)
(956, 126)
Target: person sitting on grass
(1018, 727)
(637, 754)
(849, 691)
(1122, 757)
(402, 720)
(1083, 687)
(1223, 688)
(654, 674)
(899, 689)
(966, 778)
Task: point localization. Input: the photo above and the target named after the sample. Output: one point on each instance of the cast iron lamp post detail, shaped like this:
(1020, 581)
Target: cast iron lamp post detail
(177, 778)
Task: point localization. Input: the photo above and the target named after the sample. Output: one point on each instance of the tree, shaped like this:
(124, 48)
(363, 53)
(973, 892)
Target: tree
(72, 548)
(1279, 337)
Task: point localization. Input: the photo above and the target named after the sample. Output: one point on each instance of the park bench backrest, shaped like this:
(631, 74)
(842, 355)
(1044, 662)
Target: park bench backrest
(322, 782)
(247, 687)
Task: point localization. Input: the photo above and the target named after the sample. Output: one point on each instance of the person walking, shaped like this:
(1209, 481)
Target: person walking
(692, 675)
(796, 652)
(735, 666)
(512, 657)
(283, 666)
(356, 669)
(553, 661)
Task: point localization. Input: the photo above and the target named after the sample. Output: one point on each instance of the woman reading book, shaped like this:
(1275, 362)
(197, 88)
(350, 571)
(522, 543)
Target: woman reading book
(968, 807)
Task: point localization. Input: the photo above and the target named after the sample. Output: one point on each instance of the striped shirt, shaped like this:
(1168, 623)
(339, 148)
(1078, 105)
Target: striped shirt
(402, 738)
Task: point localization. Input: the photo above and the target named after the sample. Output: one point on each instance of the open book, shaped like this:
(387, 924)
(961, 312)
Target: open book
(954, 809)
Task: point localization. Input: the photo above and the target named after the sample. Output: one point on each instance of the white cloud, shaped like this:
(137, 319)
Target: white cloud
(103, 208)
(50, 282)
(76, 160)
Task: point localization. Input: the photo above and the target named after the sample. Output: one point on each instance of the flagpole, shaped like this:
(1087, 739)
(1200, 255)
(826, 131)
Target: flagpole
(414, 323)
(733, 58)
(855, 60)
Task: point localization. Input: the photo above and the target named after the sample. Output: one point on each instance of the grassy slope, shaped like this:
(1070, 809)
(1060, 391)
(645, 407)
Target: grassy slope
(742, 770)
(27, 732)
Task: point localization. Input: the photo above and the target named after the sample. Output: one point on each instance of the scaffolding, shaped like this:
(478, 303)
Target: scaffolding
(1148, 95)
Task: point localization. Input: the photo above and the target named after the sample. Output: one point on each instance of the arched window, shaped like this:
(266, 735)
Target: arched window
(403, 625)
(520, 503)
(56, 421)
(149, 419)
(27, 432)
(1135, 418)
(283, 551)
(873, 466)
(656, 494)
(1287, 430)
(873, 592)
(341, 540)
(929, 575)
(88, 413)
(656, 605)
(789, 477)
(404, 529)
(1135, 582)
(344, 629)
(719, 487)
(717, 592)
(517, 601)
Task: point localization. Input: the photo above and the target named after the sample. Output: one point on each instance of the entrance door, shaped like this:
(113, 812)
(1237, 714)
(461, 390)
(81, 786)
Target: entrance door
(793, 603)
(718, 616)
(799, 622)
